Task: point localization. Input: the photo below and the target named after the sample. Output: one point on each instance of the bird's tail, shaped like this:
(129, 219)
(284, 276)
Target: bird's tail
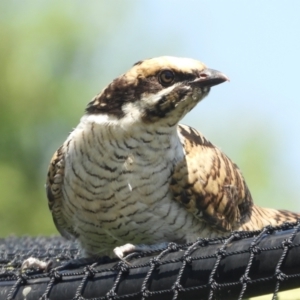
(260, 217)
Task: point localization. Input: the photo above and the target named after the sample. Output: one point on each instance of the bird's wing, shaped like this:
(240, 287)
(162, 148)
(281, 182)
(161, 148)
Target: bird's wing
(208, 184)
(54, 185)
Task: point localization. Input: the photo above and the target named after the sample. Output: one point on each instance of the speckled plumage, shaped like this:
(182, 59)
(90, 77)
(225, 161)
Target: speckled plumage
(128, 173)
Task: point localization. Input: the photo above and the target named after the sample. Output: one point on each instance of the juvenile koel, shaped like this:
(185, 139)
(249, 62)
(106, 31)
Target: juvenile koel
(129, 177)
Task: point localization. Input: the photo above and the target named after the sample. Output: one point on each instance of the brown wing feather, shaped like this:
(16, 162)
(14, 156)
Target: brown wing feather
(209, 185)
(54, 183)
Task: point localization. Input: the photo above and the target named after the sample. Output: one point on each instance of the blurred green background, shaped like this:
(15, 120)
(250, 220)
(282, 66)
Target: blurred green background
(56, 55)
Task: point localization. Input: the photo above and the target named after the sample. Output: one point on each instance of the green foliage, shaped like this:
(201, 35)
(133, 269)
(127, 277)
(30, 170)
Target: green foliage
(47, 56)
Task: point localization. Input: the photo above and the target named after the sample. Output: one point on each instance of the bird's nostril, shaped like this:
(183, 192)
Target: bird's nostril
(203, 75)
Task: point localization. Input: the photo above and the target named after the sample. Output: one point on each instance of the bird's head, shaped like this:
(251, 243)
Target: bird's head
(157, 90)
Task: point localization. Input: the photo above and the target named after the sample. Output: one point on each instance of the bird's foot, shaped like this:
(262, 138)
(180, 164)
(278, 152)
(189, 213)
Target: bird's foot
(35, 263)
(126, 249)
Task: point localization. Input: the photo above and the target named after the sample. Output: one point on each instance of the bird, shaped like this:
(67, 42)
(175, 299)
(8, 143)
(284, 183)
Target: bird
(131, 178)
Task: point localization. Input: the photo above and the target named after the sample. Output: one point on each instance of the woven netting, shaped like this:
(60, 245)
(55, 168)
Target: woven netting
(241, 265)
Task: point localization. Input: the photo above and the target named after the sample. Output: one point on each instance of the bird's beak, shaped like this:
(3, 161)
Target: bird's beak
(210, 77)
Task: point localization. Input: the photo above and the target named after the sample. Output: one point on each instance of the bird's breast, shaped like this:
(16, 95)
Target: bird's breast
(116, 188)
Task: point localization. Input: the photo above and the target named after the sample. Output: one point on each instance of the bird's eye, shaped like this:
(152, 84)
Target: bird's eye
(166, 77)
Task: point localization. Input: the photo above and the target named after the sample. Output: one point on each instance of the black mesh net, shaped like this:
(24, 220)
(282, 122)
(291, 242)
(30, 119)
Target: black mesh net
(242, 265)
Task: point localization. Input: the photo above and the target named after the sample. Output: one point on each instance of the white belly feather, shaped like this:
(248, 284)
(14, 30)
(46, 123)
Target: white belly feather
(116, 188)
